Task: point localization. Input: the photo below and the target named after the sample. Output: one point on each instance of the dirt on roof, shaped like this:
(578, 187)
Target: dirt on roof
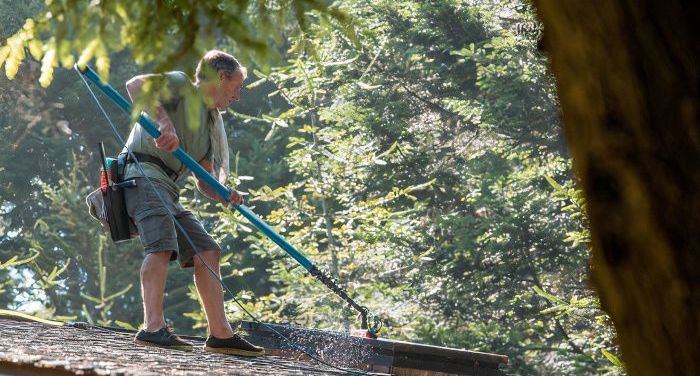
(33, 348)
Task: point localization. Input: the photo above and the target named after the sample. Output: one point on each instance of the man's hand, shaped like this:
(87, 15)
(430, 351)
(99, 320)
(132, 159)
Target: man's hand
(168, 139)
(236, 197)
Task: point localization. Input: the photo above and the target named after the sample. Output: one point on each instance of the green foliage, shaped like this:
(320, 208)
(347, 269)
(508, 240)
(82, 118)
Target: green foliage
(415, 152)
(14, 262)
(613, 359)
(419, 160)
(73, 262)
(66, 32)
(588, 323)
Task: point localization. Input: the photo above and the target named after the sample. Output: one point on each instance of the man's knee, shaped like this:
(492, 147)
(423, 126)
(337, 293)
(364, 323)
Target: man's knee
(211, 257)
(156, 260)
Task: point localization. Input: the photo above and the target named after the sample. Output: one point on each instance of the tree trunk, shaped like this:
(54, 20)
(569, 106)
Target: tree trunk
(627, 77)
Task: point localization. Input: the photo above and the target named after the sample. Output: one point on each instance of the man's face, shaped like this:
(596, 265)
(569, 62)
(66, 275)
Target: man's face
(228, 89)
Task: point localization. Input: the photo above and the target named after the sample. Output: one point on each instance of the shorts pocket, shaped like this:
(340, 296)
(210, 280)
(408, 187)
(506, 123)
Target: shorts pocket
(155, 225)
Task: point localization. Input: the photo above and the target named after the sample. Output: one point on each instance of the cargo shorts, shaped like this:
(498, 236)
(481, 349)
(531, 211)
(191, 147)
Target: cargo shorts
(156, 228)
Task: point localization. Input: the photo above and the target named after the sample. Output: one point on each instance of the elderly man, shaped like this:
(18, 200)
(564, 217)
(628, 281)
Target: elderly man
(218, 82)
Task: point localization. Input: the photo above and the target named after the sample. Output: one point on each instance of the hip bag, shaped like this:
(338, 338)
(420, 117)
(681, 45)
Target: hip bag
(107, 203)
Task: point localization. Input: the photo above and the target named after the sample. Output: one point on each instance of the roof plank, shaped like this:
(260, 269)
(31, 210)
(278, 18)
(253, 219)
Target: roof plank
(98, 351)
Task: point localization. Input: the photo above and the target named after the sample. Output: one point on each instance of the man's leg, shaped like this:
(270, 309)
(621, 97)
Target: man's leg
(211, 293)
(222, 338)
(154, 272)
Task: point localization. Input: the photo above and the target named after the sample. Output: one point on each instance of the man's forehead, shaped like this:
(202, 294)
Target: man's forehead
(242, 73)
(238, 75)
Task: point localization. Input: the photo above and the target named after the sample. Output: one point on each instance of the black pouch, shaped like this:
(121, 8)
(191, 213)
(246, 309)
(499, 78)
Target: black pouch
(112, 188)
(115, 206)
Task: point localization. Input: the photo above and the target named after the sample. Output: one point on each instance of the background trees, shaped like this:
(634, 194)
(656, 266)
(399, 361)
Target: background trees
(414, 150)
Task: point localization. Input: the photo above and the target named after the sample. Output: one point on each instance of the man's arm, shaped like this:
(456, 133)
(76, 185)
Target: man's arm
(168, 139)
(208, 191)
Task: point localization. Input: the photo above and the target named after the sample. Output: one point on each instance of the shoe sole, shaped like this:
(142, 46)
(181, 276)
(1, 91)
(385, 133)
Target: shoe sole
(151, 344)
(231, 351)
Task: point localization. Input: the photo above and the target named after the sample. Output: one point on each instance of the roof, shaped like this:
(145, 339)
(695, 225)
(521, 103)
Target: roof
(40, 348)
(376, 355)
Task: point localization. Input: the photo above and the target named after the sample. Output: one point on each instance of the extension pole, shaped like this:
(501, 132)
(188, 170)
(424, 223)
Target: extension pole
(145, 121)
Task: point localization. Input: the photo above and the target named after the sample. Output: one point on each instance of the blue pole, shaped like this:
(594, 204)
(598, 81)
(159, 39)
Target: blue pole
(150, 127)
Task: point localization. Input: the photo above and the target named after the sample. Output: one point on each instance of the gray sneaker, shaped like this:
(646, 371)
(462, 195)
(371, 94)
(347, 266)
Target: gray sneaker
(162, 338)
(232, 346)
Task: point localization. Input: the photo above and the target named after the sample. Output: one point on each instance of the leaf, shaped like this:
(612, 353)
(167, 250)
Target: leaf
(548, 296)
(120, 293)
(4, 52)
(554, 184)
(56, 272)
(15, 57)
(47, 66)
(8, 262)
(256, 83)
(269, 134)
(612, 358)
(557, 308)
(121, 11)
(15, 314)
(35, 50)
(125, 325)
(102, 64)
(103, 281)
(90, 298)
(225, 257)
(268, 118)
(420, 186)
(246, 270)
(65, 55)
(390, 150)
(88, 53)
(87, 315)
(244, 228)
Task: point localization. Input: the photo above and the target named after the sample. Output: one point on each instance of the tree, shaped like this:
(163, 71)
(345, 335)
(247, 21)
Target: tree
(411, 152)
(627, 77)
(79, 271)
(471, 113)
(67, 32)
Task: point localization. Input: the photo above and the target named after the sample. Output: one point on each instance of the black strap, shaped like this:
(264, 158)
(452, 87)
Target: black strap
(142, 157)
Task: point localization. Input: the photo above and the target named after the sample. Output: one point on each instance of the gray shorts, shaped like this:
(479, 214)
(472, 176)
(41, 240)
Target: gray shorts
(156, 228)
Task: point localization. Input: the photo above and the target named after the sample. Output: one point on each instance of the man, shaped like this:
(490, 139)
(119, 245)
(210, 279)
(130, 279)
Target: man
(219, 78)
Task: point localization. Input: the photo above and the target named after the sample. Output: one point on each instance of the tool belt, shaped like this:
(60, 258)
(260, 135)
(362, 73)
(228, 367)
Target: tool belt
(107, 203)
(142, 157)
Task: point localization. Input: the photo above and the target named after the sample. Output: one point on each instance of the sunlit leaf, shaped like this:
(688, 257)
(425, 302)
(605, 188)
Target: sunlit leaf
(612, 358)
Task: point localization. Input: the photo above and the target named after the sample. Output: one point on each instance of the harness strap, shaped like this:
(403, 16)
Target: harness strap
(143, 157)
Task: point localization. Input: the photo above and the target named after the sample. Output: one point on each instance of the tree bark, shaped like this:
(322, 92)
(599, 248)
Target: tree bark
(627, 77)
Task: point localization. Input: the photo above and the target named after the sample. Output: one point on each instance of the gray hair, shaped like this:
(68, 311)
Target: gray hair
(215, 61)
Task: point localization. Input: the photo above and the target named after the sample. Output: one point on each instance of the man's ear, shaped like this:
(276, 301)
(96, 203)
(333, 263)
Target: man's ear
(222, 75)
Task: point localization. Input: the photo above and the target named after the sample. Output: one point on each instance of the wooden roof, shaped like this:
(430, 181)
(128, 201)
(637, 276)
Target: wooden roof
(376, 355)
(37, 348)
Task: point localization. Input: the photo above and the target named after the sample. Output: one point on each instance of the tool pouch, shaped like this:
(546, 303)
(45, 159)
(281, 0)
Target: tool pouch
(107, 203)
